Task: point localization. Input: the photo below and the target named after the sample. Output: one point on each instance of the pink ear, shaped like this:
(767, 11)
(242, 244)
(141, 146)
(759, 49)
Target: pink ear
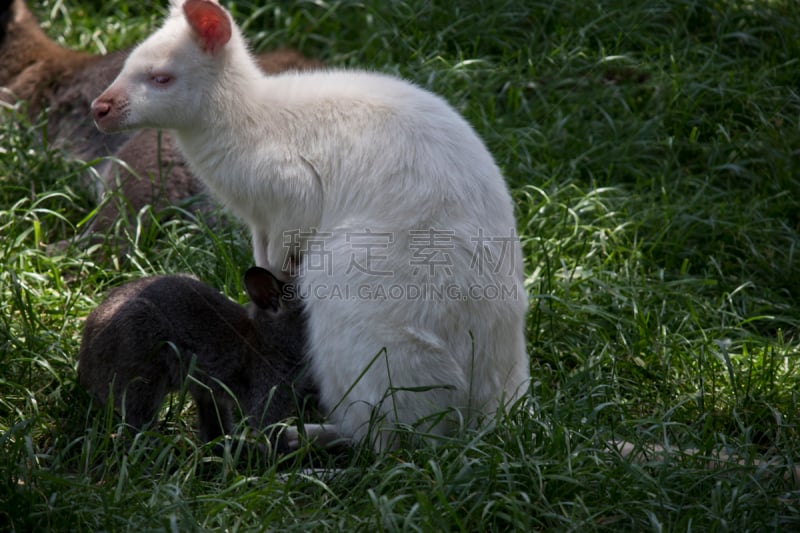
(209, 22)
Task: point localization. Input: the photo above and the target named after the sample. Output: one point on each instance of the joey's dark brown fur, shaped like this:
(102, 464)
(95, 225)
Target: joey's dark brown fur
(36, 69)
(151, 334)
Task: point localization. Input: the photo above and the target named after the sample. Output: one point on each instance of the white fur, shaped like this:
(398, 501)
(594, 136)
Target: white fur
(341, 152)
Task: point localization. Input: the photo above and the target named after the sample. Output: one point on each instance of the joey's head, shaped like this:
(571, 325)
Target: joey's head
(275, 308)
(168, 79)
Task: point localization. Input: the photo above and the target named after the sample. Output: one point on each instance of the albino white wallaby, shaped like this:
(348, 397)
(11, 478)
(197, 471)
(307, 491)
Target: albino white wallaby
(148, 335)
(393, 208)
(36, 69)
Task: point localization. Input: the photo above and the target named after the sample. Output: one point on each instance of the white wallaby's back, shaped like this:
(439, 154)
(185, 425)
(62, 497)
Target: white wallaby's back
(399, 219)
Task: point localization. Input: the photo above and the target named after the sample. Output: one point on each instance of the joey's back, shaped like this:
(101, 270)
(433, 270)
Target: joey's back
(199, 321)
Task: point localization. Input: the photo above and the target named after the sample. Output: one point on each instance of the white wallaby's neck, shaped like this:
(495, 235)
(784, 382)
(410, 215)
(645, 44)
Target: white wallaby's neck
(232, 120)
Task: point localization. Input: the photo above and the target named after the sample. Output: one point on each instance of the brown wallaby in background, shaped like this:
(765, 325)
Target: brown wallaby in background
(151, 334)
(36, 69)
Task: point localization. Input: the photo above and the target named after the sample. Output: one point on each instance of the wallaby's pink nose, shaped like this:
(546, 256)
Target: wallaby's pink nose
(100, 109)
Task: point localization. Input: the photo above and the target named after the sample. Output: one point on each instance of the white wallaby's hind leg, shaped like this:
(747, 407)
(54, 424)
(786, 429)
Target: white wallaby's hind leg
(388, 375)
(381, 361)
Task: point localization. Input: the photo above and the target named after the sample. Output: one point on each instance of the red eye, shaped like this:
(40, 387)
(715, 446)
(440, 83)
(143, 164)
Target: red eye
(161, 79)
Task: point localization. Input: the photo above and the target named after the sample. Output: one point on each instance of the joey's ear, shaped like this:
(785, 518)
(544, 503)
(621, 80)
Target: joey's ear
(210, 23)
(263, 288)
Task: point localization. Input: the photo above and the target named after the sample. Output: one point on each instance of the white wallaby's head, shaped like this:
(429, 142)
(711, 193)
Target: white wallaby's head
(168, 79)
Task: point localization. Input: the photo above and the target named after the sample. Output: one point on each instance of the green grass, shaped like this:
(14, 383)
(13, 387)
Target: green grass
(651, 148)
